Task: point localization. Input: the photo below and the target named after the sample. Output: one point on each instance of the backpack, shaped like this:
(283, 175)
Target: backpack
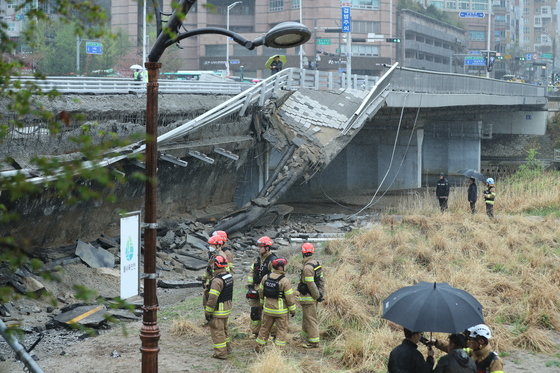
(271, 287)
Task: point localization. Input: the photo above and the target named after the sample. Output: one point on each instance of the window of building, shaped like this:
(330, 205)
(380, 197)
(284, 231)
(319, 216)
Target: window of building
(525, 29)
(365, 4)
(500, 18)
(451, 5)
(296, 4)
(275, 5)
(11, 4)
(363, 27)
(272, 51)
(239, 50)
(477, 6)
(242, 29)
(437, 4)
(215, 50)
(544, 10)
(477, 35)
(537, 21)
(11, 26)
(464, 6)
(525, 11)
(361, 50)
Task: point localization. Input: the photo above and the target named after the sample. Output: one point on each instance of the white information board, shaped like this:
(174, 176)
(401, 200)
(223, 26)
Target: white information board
(130, 255)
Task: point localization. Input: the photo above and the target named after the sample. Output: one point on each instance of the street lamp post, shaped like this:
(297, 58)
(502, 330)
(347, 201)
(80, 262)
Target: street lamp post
(283, 35)
(229, 7)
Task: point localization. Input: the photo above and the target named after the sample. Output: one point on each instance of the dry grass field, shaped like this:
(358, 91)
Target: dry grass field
(511, 264)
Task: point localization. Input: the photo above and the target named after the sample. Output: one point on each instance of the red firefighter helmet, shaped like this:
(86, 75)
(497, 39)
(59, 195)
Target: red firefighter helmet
(216, 240)
(307, 248)
(222, 234)
(220, 261)
(264, 241)
(279, 262)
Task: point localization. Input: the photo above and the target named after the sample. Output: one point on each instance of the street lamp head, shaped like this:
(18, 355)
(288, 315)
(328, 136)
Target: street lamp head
(285, 35)
(234, 4)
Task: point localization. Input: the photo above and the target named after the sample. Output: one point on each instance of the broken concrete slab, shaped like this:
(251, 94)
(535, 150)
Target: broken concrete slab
(93, 256)
(91, 315)
(32, 285)
(197, 242)
(107, 242)
(191, 263)
(122, 314)
(170, 284)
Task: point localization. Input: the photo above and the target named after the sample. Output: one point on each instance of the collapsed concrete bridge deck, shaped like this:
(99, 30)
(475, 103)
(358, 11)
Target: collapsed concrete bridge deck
(285, 140)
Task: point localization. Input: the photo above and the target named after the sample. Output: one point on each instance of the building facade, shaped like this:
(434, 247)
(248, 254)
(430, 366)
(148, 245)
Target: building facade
(326, 50)
(428, 44)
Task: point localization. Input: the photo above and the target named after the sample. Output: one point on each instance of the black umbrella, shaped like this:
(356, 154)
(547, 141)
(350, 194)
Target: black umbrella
(433, 307)
(469, 172)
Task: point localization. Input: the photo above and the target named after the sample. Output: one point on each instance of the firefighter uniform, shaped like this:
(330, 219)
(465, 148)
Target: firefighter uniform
(278, 300)
(209, 274)
(311, 290)
(487, 361)
(259, 269)
(218, 309)
(489, 197)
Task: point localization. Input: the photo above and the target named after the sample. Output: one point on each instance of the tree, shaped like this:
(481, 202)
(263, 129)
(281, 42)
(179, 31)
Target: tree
(22, 104)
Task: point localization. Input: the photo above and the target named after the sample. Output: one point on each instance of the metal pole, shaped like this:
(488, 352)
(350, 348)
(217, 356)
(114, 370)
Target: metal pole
(348, 59)
(78, 55)
(149, 333)
(301, 46)
(227, 39)
(488, 38)
(144, 32)
(21, 353)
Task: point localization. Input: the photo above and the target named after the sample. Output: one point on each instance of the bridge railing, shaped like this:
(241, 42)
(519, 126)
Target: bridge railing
(100, 85)
(422, 81)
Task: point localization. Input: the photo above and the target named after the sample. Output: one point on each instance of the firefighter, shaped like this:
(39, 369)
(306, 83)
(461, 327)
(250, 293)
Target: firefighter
(215, 244)
(218, 307)
(226, 249)
(258, 270)
(489, 197)
(486, 361)
(311, 291)
(278, 299)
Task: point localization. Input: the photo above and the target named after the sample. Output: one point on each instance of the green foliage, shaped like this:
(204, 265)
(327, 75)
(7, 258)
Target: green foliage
(532, 168)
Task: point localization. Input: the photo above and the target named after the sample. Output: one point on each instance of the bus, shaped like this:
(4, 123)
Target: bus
(195, 75)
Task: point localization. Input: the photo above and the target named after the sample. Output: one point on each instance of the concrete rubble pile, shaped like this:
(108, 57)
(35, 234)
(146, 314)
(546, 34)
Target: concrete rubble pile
(180, 261)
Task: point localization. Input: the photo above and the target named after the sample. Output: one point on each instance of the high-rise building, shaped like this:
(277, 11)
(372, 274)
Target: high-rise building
(372, 21)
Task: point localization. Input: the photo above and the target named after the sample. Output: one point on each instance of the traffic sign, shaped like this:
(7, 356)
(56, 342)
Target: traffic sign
(345, 19)
(471, 14)
(324, 41)
(94, 47)
(529, 56)
(474, 61)
(548, 56)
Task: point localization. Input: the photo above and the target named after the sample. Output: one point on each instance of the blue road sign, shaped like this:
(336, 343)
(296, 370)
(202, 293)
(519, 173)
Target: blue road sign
(93, 47)
(529, 56)
(471, 14)
(345, 19)
(474, 61)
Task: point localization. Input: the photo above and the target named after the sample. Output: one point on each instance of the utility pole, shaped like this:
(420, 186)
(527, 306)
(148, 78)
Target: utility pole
(488, 36)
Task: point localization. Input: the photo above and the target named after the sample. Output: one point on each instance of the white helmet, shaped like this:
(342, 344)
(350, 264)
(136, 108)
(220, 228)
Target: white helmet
(490, 181)
(480, 330)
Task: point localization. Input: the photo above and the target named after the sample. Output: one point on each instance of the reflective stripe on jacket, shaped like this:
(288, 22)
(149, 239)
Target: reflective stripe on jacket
(310, 266)
(282, 305)
(218, 309)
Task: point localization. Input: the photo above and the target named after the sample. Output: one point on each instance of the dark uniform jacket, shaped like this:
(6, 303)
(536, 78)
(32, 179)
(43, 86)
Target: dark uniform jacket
(442, 188)
(457, 361)
(405, 358)
(472, 193)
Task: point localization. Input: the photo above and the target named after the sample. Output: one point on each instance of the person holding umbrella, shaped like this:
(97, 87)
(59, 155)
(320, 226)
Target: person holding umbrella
(276, 65)
(472, 194)
(405, 358)
(457, 360)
